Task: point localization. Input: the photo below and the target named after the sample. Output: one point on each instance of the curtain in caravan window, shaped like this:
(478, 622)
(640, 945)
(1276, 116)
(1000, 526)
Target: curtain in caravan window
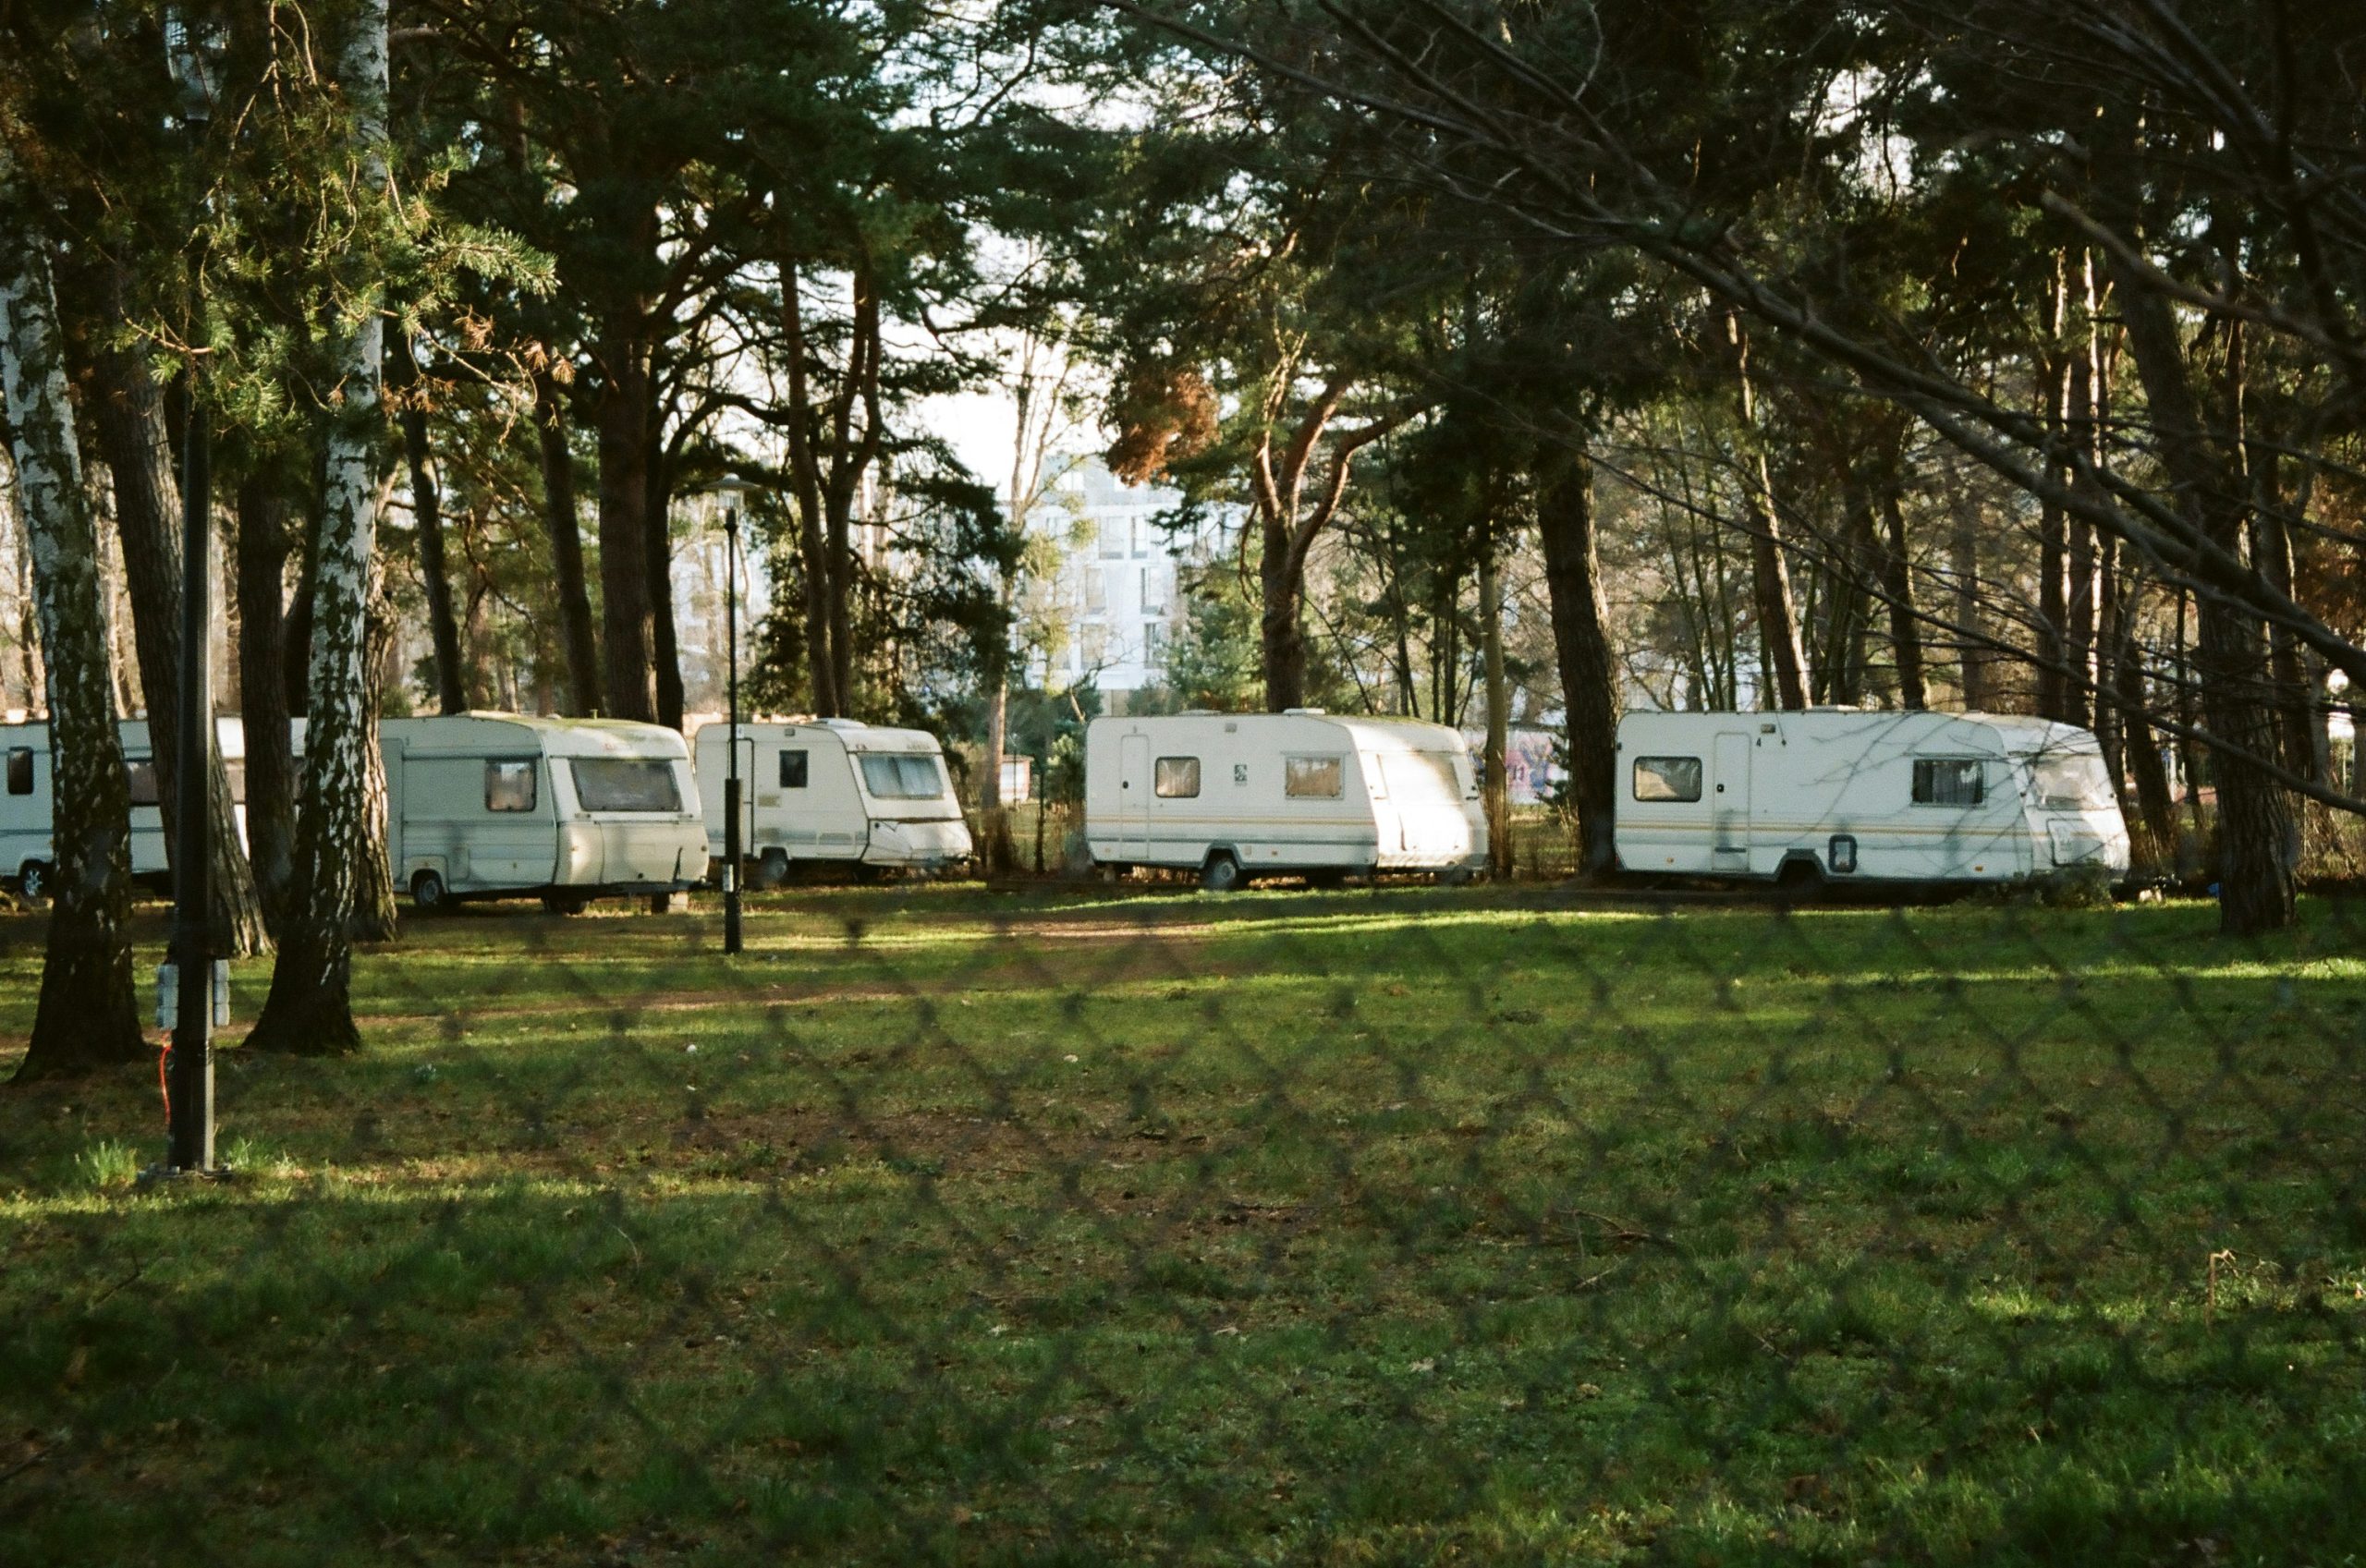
(21, 769)
(910, 776)
(794, 770)
(626, 783)
(1667, 778)
(1175, 778)
(1312, 778)
(1949, 781)
(139, 773)
(509, 785)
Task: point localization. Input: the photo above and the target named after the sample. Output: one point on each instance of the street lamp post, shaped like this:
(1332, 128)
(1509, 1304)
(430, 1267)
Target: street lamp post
(193, 51)
(732, 488)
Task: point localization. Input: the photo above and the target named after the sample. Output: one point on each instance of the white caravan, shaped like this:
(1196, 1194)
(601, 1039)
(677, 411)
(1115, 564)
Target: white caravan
(832, 790)
(1236, 795)
(499, 805)
(1843, 796)
(26, 852)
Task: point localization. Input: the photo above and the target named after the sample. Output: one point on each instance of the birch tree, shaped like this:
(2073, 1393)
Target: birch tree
(86, 1017)
(310, 1009)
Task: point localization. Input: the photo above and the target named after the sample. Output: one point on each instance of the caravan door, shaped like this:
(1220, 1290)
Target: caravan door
(1729, 841)
(1133, 796)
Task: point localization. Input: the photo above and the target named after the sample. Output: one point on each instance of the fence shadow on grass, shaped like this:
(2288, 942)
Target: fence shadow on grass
(1393, 1225)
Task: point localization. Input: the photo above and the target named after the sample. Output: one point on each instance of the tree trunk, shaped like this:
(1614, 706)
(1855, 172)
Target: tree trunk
(567, 545)
(310, 1009)
(263, 690)
(1498, 785)
(86, 1017)
(657, 536)
(427, 517)
(128, 416)
(1963, 562)
(1565, 523)
(373, 879)
(1782, 658)
(1281, 582)
(2053, 561)
(627, 691)
(1897, 587)
(2256, 832)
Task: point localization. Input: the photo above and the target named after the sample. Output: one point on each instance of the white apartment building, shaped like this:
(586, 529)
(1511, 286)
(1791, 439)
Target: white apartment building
(1114, 590)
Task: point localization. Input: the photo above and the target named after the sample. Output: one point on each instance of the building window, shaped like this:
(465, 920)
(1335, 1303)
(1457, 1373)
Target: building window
(509, 787)
(1153, 641)
(1096, 645)
(793, 767)
(1949, 781)
(1312, 778)
(1096, 591)
(1177, 778)
(21, 769)
(1113, 538)
(1141, 534)
(1667, 778)
(1153, 593)
(140, 772)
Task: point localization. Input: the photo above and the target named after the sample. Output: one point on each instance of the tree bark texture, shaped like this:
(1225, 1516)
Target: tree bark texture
(310, 1009)
(127, 413)
(1781, 655)
(427, 519)
(658, 542)
(373, 879)
(1497, 792)
(627, 689)
(86, 1017)
(567, 545)
(263, 518)
(1588, 676)
(2256, 832)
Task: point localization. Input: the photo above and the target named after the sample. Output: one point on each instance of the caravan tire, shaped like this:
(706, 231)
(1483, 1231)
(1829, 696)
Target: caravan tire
(427, 894)
(33, 879)
(1222, 873)
(565, 902)
(1799, 881)
(771, 870)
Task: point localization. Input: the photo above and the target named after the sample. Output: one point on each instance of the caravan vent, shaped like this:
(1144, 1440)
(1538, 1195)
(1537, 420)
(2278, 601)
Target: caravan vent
(841, 724)
(1307, 713)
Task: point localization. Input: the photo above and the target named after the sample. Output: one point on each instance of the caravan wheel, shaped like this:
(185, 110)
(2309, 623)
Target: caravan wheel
(1799, 881)
(1222, 873)
(429, 894)
(771, 870)
(565, 902)
(32, 878)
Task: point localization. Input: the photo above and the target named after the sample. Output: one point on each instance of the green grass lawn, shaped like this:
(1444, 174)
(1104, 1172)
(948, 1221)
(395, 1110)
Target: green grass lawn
(1397, 1226)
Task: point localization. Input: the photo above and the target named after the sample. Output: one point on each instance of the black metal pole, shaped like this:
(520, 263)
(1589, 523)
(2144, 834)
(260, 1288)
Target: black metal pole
(190, 1070)
(731, 847)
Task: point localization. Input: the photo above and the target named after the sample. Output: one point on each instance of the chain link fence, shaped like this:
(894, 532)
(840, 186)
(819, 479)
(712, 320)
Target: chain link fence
(1119, 1225)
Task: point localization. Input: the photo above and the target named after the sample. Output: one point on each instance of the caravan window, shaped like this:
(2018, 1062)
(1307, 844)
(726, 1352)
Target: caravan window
(626, 783)
(1667, 778)
(1422, 778)
(1177, 778)
(21, 769)
(794, 770)
(2072, 783)
(1949, 781)
(1312, 778)
(911, 776)
(509, 785)
(140, 772)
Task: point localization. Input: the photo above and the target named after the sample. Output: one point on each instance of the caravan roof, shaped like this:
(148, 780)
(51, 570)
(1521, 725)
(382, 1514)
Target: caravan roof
(556, 736)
